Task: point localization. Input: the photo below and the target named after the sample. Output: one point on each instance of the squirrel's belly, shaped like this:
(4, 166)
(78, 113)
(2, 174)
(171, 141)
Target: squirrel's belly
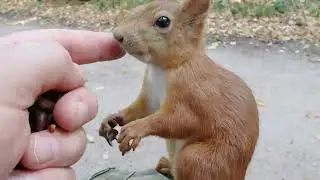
(156, 87)
(156, 90)
(174, 147)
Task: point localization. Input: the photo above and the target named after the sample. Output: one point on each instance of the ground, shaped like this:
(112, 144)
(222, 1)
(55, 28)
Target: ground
(285, 80)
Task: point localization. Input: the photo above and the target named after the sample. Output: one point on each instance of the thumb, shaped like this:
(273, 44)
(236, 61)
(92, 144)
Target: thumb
(47, 174)
(34, 68)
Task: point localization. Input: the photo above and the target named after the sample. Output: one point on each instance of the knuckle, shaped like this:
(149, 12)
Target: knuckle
(38, 54)
(62, 53)
(59, 53)
(60, 57)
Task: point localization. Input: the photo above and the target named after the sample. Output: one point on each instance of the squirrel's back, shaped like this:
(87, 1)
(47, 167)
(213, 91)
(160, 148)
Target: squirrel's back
(220, 97)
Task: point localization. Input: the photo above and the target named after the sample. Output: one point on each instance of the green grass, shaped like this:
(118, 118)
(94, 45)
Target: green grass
(251, 8)
(268, 9)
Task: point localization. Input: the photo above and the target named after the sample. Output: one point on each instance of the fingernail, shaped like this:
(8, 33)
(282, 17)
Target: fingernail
(121, 53)
(82, 111)
(45, 148)
(116, 52)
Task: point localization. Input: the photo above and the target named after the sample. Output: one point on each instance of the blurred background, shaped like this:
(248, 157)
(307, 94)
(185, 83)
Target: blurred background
(279, 20)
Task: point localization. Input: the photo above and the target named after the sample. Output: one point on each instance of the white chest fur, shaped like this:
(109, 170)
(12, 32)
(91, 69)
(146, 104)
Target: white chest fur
(156, 87)
(156, 90)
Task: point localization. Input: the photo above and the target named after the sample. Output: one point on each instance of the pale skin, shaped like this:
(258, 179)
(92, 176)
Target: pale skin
(34, 62)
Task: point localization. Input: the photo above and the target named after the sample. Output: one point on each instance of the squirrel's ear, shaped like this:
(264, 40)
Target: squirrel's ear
(196, 7)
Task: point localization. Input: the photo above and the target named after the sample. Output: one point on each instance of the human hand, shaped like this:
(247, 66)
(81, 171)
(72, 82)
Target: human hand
(32, 63)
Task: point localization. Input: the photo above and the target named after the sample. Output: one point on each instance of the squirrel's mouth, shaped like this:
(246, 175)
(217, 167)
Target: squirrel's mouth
(143, 57)
(131, 51)
(137, 53)
(134, 53)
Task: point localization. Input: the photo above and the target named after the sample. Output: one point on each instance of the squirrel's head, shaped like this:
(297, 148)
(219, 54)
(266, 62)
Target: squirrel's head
(164, 32)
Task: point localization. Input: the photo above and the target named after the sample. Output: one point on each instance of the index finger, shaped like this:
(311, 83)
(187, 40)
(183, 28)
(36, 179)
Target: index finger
(83, 46)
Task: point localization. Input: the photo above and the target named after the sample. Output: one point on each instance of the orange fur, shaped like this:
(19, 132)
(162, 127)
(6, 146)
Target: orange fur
(208, 115)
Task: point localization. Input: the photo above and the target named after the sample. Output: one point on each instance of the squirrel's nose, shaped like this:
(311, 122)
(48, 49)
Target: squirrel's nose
(118, 37)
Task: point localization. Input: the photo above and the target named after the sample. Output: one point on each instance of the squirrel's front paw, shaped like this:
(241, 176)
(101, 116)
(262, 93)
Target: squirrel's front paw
(107, 130)
(134, 131)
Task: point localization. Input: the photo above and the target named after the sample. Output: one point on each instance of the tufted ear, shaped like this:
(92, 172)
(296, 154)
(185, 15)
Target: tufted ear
(196, 7)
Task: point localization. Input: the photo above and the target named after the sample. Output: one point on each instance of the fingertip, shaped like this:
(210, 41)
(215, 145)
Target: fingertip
(47, 174)
(113, 50)
(75, 109)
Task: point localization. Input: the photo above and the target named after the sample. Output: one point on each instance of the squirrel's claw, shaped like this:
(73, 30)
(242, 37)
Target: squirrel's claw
(111, 136)
(107, 127)
(109, 140)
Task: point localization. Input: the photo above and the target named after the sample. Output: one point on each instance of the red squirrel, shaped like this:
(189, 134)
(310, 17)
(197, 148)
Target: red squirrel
(206, 113)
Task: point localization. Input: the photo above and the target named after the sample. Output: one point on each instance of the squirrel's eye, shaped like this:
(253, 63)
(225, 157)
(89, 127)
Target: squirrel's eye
(163, 22)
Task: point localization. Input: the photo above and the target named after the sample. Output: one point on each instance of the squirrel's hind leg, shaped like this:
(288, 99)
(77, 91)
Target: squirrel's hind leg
(209, 161)
(164, 167)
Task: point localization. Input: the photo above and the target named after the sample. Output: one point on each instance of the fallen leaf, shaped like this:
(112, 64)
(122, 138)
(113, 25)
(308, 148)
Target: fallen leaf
(306, 46)
(317, 137)
(286, 38)
(90, 138)
(315, 60)
(99, 88)
(314, 164)
(105, 156)
(260, 103)
(123, 71)
(227, 66)
(307, 178)
(291, 22)
(214, 45)
(23, 22)
(312, 115)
